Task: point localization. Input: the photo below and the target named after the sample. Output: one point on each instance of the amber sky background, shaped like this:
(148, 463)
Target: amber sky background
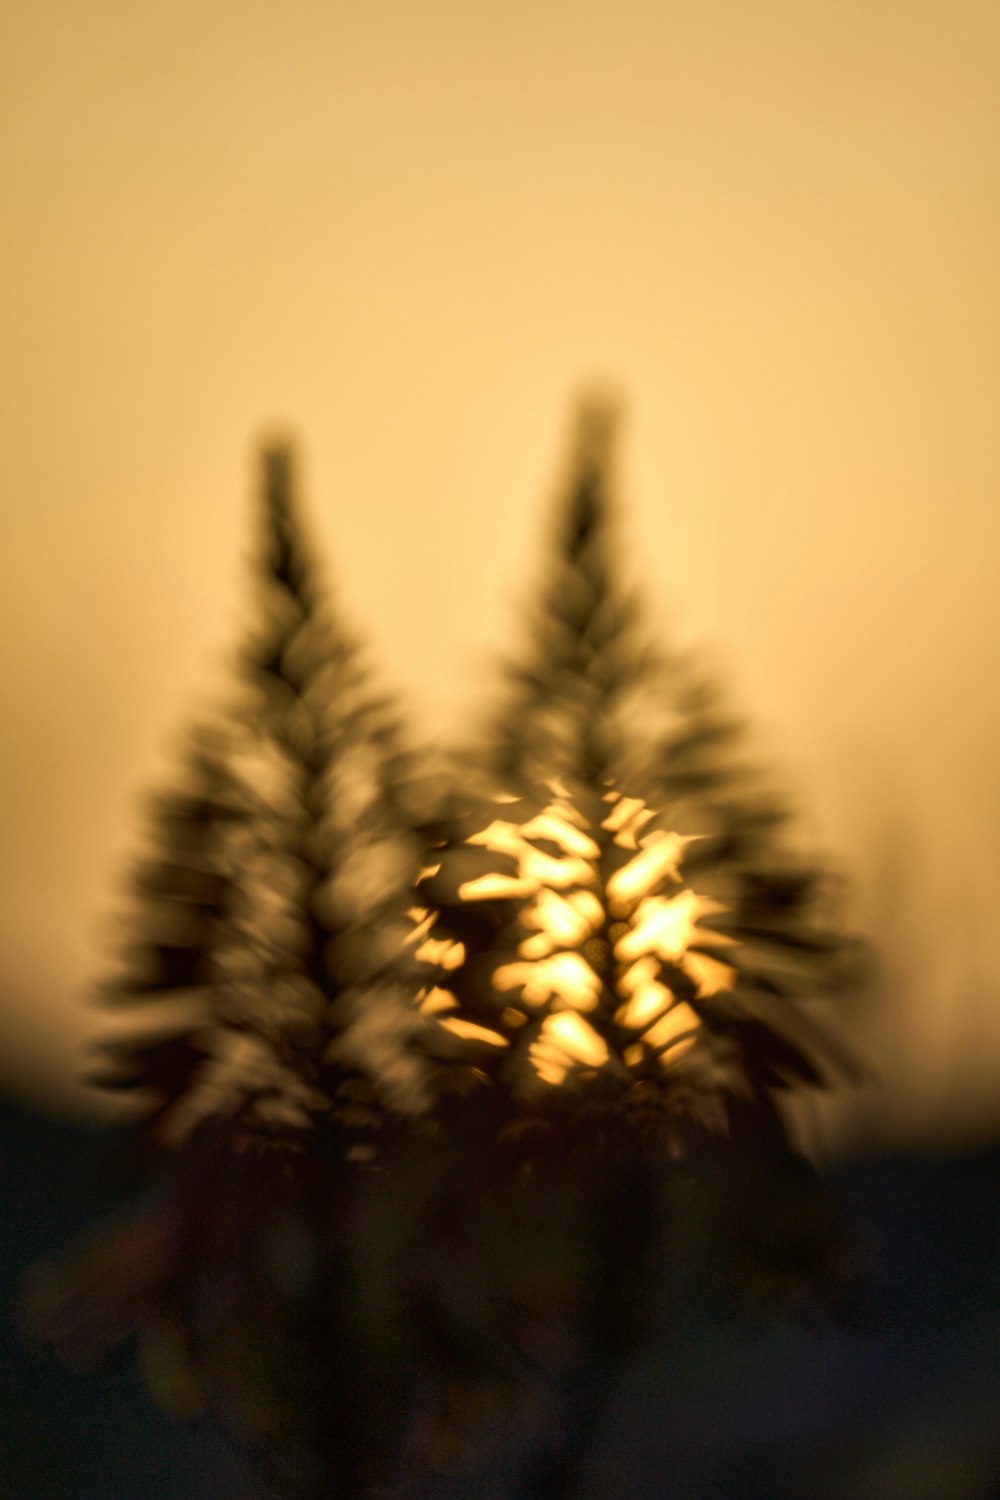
(410, 231)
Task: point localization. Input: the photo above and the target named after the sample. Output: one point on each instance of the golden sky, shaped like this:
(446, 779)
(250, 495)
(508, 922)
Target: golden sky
(410, 231)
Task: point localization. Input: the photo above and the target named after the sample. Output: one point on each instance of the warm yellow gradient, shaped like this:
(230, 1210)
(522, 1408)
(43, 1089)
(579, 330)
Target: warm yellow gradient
(411, 231)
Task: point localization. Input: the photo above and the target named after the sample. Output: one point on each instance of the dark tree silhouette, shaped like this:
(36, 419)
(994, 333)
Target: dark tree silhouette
(269, 939)
(627, 867)
(276, 899)
(624, 938)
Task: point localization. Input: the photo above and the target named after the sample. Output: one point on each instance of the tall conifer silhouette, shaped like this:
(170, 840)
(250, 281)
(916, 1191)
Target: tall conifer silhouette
(278, 900)
(624, 936)
(661, 914)
(270, 1035)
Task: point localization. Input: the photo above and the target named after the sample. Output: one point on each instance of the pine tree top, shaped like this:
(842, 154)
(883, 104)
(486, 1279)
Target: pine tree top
(270, 924)
(625, 912)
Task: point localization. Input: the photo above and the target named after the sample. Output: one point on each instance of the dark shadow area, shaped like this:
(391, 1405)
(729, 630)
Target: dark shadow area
(900, 1401)
(81, 1434)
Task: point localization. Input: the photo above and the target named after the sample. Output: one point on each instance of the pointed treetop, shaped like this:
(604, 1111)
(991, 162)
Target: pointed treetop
(584, 654)
(283, 556)
(276, 454)
(598, 420)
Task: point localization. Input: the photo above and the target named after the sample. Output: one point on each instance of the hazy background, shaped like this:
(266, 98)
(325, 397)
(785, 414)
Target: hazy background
(410, 231)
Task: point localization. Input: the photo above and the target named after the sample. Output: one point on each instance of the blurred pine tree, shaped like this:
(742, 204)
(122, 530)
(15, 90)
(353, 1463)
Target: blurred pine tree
(275, 904)
(623, 936)
(625, 907)
(269, 940)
